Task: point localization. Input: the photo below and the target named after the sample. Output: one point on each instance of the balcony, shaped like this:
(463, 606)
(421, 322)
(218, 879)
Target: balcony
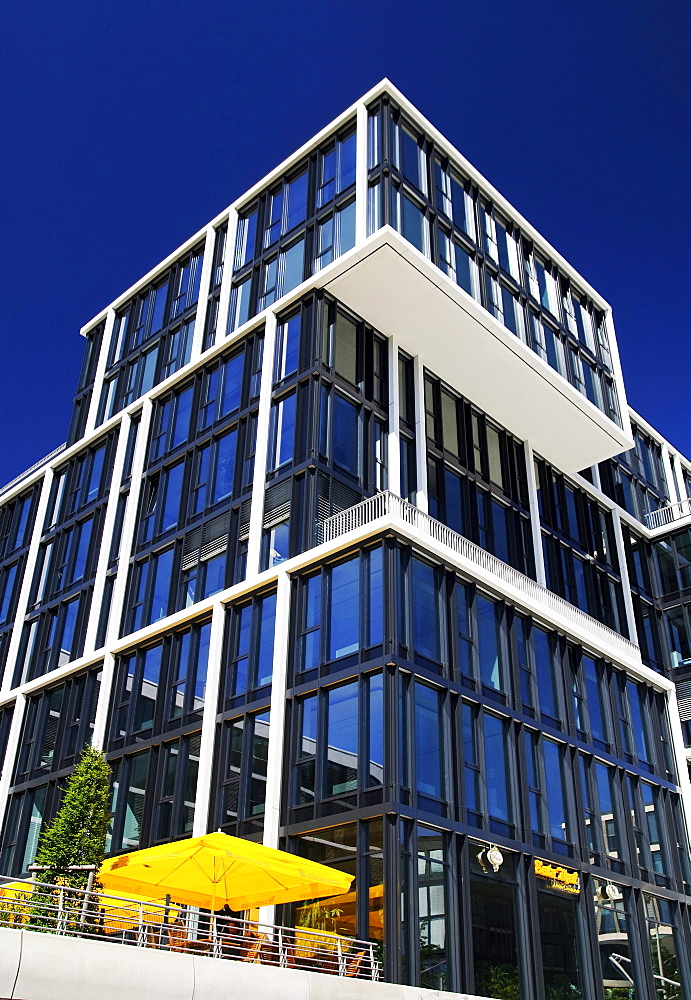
(668, 515)
(57, 941)
(388, 509)
(394, 287)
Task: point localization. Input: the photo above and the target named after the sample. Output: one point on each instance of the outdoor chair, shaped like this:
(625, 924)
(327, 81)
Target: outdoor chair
(354, 962)
(253, 948)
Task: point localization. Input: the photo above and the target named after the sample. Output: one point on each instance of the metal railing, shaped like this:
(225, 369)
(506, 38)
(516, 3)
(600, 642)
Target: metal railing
(37, 465)
(666, 515)
(389, 504)
(68, 912)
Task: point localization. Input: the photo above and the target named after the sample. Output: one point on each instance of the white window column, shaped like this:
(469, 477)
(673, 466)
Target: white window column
(128, 528)
(534, 508)
(100, 372)
(226, 280)
(206, 749)
(203, 300)
(624, 574)
(679, 751)
(672, 485)
(107, 534)
(29, 567)
(98, 736)
(277, 763)
(361, 176)
(393, 448)
(261, 447)
(678, 475)
(11, 754)
(420, 436)
(120, 585)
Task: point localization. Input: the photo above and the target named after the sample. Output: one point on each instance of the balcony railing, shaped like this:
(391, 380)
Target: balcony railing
(33, 468)
(666, 515)
(70, 912)
(389, 504)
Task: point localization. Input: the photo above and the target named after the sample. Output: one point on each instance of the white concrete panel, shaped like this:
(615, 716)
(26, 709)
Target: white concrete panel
(217, 977)
(47, 967)
(392, 286)
(10, 953)
(62, 968)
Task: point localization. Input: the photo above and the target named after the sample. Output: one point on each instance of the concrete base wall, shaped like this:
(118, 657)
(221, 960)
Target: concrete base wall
(46, 967)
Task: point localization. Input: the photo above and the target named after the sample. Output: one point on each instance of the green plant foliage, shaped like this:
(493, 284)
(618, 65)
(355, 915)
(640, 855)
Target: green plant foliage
(498, 980)
(77, 835)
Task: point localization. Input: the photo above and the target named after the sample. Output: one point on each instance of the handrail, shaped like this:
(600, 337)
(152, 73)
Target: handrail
(390, 504)
(37, 465)
(666, 515)
(103, 916)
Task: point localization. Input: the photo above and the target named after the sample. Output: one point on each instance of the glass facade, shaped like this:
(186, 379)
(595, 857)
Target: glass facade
(303, 589)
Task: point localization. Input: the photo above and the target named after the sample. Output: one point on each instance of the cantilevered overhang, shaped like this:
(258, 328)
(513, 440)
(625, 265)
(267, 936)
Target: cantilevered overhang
(401, 293)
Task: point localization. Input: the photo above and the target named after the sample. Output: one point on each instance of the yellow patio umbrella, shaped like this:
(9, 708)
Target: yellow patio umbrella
(216, 869)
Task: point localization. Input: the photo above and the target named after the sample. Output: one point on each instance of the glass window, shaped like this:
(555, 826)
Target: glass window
(425, 610)
(346, 434)
(545, 674)
(292, 261)
(617, 968)
(344, 609)
(496, 770)
(224, 460)
(296, 198)
(493, 907)
(429, 742)
(555, 798)
(311, 622)
(240, 303)
(489, 649)
(376, 597)
(559, 945)
(342, 739)
(411, 220)
(288, 349)
(410, 158)
(283, 431)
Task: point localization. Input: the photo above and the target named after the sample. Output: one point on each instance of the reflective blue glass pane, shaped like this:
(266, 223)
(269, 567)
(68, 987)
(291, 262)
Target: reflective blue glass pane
(488, 643)
(544, 672)
(173, 496)
(202, 665)
(346, 227)
(225, 466)
(266, 611)
(162, 569)
(376, 597)
(297, 201)
(347, 148)
(554, 790)
(376, 729)
(293, 266)
(428, 742)
(344, 624)
(342, 739)
(346, 435)
(214, 575)
(232, 384)
(412, 223)
(425, 610)
(495, 766)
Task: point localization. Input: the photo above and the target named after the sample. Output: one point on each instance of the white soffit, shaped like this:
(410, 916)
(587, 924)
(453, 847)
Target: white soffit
(393, 287)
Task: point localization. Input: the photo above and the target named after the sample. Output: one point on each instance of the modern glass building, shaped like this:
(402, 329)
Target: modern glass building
(356, 548)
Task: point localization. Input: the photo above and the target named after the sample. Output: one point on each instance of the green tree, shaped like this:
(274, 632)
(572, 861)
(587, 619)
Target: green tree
(77, 835)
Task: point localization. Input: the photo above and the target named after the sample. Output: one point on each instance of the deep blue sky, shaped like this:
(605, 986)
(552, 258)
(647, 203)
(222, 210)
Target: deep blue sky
(126, 126)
